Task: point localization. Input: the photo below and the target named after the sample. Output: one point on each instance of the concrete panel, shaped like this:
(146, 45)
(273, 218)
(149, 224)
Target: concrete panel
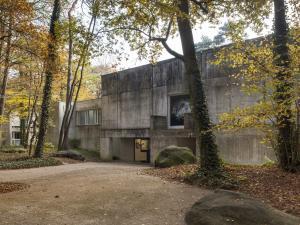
(127, 149)
(110, 112)
(134, 79)
(122, 149)
(243, 147)
(160, 101)
(105, 149)
(135, 109)
(89, 136)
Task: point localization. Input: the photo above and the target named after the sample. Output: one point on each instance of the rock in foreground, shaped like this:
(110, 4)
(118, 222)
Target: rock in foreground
(227, 207)
(174, 155)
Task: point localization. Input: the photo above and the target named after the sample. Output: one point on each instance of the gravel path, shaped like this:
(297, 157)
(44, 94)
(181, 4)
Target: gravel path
(94, 194)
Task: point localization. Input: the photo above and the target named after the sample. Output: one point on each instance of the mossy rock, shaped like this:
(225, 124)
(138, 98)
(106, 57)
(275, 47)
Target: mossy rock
(174, 155)
(233, 208)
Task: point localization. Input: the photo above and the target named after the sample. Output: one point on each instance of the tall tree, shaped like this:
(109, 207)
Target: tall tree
(51, 67)
(209, 160)
(269, 67)
(285, 148)
(7, 64)
(75, 79)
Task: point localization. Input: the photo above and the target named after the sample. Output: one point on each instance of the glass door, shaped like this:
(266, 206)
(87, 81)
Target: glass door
(142, 150)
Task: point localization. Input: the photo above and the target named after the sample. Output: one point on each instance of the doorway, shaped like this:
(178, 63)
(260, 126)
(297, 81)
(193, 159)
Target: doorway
(142, 150)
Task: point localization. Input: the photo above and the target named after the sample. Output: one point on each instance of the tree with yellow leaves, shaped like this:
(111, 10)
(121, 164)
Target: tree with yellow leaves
(269, 67)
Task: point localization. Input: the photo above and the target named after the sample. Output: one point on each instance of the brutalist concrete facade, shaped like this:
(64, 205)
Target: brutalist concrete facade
(136, 104)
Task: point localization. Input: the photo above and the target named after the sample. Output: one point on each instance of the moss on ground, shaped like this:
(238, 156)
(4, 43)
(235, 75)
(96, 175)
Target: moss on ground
(28, 162)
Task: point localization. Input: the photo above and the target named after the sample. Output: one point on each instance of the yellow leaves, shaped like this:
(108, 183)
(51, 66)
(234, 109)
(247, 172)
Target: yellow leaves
(3, 120)
(259, 116)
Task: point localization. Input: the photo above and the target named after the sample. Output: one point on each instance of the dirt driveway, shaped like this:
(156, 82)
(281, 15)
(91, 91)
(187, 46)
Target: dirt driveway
(94, 193)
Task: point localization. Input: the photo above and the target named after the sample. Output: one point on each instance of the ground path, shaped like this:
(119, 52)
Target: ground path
(94, 194)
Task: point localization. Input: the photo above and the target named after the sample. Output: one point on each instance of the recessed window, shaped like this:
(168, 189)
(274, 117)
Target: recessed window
(16, 135)
(88, 117)
(179, 105)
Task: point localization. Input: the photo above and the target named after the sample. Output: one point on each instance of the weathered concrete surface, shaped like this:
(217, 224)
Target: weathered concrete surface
(94, 194)
(136, 102)
(89, 135)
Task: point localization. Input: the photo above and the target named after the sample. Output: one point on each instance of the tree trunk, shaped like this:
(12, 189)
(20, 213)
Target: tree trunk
(23, 132)
(69, 79)
(6, 68)
(209, 159)
(49, 73)
(64, 131)
(285, 143)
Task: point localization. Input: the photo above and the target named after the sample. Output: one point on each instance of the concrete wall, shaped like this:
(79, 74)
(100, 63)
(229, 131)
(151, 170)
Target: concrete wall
(89, 135)
(117, 148)
(132, 97)
(56, 116)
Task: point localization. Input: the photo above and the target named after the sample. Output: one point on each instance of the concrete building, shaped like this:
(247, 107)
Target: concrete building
(146, 108)
(11, 132)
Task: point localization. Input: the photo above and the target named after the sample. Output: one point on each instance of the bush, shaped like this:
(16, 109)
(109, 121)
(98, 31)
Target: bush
(29, 163)
(174, 155)
(12, 149)
(49, 147)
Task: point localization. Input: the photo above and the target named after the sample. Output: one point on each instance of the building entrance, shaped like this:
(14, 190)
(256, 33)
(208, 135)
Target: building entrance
(142, 150)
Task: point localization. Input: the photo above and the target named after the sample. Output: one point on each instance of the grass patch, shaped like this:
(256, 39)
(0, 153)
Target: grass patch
(4, 156)
(28, 162)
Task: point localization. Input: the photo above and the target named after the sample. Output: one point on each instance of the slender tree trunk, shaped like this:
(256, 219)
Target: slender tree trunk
(31, 119)
(6, 68)
(65, 142)
(81, 64)
(285, 140)
(50, 70)
(209, 159)
(2, 33)
(69, 79)
(33, 136)
(23, 132)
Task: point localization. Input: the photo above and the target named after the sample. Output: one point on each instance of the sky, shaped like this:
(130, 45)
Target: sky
(205, 29)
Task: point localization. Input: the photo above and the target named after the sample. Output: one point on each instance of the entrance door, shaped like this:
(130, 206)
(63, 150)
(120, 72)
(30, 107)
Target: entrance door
(142, 150)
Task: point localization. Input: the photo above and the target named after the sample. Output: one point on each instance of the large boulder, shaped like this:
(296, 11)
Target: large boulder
(228, 207)
(69, 154)
(174, 155)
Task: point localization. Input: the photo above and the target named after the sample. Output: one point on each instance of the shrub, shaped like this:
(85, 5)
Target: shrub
(174, 155)
(49, 147)
(12, 149)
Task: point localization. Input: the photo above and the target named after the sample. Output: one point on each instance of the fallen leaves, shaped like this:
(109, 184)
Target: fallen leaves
(6, 187)
(269, 184)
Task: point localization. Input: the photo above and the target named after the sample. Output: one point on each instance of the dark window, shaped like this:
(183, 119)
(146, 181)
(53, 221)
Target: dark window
(179, 105)
(88, 117)
(16, 135)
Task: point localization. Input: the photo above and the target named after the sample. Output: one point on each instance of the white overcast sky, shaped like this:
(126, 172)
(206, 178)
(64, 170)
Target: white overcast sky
(205, 29)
